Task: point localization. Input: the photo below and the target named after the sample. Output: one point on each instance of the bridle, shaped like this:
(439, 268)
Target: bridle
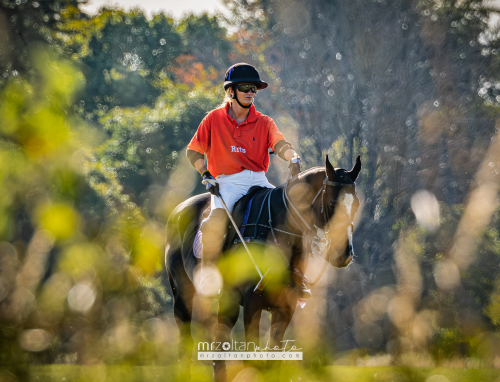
(316, 238)
(324, 205)
(324, 210)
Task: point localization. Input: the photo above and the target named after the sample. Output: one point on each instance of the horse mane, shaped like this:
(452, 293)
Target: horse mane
(316, 170)
(311, 171)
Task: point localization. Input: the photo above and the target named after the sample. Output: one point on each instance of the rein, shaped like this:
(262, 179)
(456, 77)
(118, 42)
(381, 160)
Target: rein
(312, 237)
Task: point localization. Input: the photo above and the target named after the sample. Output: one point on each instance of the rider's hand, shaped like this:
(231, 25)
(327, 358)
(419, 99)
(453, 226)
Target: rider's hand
(211, 183)
(295, 165)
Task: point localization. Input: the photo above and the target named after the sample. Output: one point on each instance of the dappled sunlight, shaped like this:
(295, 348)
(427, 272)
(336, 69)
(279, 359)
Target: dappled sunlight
(447, 275)
(181, 183)
(81, 298)
(207, 281)
(35, 340)
(481, 205)
(426, 209)
(96, 112)
(374, 306)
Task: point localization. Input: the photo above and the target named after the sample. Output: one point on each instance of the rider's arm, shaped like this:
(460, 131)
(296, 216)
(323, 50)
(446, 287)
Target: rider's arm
(284, 150)
(197, 160)
(194, 156)
(200, 166)
(289, 154)
(199, 145)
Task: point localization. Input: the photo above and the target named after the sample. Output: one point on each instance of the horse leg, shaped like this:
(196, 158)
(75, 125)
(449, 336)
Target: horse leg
(183, 294)
(252, 310)
(251, 321)
(229, 310)
(280, 320)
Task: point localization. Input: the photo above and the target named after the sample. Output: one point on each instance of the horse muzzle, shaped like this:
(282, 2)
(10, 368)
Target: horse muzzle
(342, 257)
(343, 260)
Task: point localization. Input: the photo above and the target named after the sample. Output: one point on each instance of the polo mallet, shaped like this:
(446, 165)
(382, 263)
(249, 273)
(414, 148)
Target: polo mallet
(264, 279)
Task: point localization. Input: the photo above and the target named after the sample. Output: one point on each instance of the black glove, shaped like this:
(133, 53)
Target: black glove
(211, 183)
(295, 165)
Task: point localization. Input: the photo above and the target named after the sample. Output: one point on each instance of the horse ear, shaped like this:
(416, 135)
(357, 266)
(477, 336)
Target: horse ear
(356, 169)
(330, 172)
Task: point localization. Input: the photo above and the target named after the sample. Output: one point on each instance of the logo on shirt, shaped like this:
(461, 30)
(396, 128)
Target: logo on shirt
(237, 149)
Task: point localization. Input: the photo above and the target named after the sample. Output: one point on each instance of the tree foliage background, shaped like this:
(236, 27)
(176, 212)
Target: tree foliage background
(95, 115)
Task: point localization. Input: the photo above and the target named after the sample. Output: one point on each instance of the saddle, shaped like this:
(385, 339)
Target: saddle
(251, 214)
(240, 214)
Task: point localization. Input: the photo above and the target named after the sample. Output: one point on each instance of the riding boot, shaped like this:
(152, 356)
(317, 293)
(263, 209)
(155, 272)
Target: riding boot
(213, 230)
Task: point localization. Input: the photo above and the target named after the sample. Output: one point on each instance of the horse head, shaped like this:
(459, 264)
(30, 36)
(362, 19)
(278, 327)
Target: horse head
(338, 207)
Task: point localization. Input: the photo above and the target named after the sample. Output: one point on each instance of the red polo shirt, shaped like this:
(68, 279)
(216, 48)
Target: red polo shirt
(232, 148)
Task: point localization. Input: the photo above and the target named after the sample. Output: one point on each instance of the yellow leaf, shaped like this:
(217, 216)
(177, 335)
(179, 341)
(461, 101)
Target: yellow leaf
(59, 219)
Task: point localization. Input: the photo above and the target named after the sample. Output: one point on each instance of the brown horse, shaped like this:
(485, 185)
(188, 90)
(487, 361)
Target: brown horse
(312, 212)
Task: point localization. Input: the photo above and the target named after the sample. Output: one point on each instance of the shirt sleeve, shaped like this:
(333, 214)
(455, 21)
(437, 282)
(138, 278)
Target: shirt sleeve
(201, 140)
(274, 136)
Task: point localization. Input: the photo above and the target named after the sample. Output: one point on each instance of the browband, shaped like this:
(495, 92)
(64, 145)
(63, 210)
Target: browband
(326, 182)
(329, 183)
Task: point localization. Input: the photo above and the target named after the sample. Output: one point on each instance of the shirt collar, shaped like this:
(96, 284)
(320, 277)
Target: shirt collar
(252, 115)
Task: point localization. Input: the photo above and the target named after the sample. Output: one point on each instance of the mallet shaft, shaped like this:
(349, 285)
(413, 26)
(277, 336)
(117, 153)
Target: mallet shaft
(240, 236)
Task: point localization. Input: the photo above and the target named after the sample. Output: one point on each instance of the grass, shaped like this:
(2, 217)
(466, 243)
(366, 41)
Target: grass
(397, 374)
(236, 372)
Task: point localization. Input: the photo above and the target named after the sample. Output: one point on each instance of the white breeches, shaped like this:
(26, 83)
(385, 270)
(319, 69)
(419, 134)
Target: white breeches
(233, 187)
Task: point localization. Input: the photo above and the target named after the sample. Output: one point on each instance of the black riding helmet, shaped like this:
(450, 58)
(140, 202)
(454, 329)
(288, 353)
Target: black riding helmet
(242, 73)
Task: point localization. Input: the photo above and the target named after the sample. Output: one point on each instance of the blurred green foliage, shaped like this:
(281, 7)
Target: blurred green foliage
(344, 373)
(95, 115)
(129, 60)
(145, 143)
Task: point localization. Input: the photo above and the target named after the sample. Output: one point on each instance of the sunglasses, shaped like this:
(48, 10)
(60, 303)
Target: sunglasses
(247, 88)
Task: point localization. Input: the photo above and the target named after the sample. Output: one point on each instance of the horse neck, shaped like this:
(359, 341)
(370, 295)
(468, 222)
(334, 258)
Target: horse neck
(313, 182)
(314, 178)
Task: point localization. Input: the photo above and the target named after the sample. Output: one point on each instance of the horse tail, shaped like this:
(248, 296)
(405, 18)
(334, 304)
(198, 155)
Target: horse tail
(181, 228)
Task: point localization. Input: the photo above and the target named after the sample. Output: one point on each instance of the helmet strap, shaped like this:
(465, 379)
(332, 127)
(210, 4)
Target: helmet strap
(237, 100)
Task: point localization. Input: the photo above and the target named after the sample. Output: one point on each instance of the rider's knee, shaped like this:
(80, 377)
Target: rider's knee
(213, 229)
(215, 223)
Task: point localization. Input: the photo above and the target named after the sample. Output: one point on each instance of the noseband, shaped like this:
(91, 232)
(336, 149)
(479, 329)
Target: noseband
(315, 236)
(324, 208)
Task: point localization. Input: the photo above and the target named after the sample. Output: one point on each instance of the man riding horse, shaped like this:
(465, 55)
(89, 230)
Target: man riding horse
(236, 138)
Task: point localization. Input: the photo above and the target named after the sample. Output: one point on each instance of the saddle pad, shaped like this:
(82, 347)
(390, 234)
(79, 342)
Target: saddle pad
(197, 246)
(257, 220)
(248, 208)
